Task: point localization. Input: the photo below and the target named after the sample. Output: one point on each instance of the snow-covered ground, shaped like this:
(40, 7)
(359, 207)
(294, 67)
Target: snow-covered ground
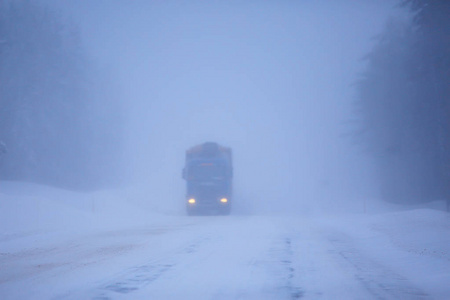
(57, 244)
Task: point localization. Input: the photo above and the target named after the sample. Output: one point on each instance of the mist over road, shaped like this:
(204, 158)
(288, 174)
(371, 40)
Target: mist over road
(271, 80)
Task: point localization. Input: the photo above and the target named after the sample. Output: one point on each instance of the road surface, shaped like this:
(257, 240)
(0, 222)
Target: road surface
(212, 257)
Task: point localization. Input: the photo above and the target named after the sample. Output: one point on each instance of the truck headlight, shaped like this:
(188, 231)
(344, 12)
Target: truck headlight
(224, 200)
(191, 201)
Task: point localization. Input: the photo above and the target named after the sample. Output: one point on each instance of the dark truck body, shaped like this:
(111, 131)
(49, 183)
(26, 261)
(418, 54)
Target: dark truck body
(208, 173)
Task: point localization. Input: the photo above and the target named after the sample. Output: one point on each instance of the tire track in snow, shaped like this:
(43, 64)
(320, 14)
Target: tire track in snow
(284, 255)
(294, 291)
(138, 277)
(377, 279)
(135, 279)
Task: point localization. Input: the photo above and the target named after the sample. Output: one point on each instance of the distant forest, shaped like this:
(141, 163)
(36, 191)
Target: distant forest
(404, 104)
(58, 126)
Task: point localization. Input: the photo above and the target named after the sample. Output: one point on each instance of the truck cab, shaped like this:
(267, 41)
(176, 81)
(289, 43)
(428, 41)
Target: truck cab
(208, 174)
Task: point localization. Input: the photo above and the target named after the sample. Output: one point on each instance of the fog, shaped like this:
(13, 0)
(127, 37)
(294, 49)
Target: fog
(270, 79)
(330, 108)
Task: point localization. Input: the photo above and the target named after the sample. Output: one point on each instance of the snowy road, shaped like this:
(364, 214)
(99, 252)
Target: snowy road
(235, 257)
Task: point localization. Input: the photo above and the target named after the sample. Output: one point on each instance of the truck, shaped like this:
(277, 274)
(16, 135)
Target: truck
(208, 172)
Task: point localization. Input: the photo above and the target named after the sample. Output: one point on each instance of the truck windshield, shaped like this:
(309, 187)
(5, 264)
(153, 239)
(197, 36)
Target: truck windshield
(206, 171)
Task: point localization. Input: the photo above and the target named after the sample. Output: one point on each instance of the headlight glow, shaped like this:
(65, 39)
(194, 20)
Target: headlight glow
(191, 200)
(224, 200)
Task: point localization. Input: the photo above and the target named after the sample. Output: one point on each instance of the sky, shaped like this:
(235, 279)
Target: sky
(270, 79)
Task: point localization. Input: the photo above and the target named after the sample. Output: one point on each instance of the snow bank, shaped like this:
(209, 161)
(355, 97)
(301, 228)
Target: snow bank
(26, 208)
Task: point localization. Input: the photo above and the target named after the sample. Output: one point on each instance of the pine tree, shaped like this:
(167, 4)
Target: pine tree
(404, 104)
(47, 115)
